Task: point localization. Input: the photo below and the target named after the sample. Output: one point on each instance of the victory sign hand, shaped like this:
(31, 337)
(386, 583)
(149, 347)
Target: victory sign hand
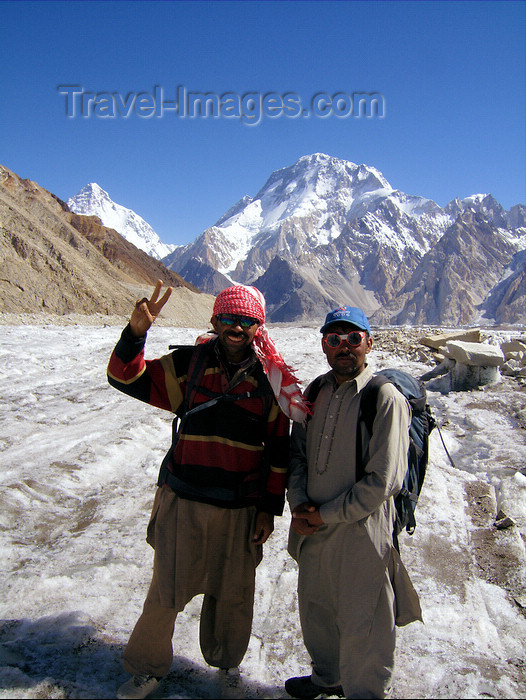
(146, 311)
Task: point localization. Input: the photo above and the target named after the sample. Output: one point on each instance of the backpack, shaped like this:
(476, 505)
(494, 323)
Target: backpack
(422, 423)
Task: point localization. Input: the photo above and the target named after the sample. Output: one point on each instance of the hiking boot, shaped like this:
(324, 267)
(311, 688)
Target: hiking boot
(138, 687)
(303, 687)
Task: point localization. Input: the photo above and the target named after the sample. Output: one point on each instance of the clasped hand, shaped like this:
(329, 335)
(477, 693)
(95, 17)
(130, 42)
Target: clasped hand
(306, 519)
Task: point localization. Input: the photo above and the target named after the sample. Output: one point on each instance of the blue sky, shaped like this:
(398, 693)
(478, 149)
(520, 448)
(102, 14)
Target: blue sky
(450, 75)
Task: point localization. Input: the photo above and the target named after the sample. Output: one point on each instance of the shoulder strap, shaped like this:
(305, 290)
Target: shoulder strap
(196, 368)
(195, 373)
(366, 415)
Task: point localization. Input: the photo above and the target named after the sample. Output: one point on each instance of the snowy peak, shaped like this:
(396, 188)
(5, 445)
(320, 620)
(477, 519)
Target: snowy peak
(319, 171)
(238, 206)
(313, 182)
(92, 195)
(92, 200)
(306, 188)
(484, 204)
(317, 197)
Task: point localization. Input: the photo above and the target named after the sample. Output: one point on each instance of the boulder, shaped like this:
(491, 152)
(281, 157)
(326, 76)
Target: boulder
(474, 354)
(511, 368)
(435, 342)
(513, 346)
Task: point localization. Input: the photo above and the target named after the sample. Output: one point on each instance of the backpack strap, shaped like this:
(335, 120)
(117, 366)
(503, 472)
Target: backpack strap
(195, 373)
(366, 415)
(195, 369)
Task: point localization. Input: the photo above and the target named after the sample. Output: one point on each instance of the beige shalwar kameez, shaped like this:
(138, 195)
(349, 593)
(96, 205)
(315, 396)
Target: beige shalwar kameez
(199, 548)
(352, 587)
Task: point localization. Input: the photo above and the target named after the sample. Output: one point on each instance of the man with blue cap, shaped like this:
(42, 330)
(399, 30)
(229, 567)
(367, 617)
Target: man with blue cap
(352, 586)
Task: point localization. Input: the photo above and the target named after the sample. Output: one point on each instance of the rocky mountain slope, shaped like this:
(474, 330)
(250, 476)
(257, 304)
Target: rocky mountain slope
(56, 261)
(326, 231)
(453, 281)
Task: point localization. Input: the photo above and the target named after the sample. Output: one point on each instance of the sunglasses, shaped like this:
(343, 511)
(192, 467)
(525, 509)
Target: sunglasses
(334, 340)
(231, 320)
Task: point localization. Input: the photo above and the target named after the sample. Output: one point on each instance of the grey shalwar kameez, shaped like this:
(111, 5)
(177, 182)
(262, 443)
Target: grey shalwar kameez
(352, 587)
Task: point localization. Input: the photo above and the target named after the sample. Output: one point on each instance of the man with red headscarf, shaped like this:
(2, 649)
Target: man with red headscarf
(222, 481)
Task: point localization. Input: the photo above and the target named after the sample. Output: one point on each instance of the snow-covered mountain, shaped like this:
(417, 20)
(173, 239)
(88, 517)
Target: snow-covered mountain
(303, 207)
(93, 200)
(325, 231)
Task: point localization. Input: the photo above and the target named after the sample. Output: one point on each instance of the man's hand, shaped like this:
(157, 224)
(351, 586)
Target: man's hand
(145, 312)
(306, 519)
(264, 527)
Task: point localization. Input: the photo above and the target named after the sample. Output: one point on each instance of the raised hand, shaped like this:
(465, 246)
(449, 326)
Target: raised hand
(146, 311)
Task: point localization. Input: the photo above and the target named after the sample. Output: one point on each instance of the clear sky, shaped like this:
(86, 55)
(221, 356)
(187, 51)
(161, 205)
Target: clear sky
(448, 78)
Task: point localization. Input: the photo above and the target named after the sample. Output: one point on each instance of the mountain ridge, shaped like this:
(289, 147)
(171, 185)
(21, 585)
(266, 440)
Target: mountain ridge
(318, 234)
(347, 236)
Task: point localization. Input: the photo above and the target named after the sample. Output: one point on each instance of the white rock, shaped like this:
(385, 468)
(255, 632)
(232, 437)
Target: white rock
(510, 368)
(461, 377)
(475, 354)
(439, 341)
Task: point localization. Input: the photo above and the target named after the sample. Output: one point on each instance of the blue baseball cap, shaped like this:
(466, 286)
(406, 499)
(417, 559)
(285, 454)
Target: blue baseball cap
(347, 314)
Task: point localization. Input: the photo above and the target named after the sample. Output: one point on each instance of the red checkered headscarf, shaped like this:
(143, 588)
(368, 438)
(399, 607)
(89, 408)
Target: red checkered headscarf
(241, 301)
(249, 301)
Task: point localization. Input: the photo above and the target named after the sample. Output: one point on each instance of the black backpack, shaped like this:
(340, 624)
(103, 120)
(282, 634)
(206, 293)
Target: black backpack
(422, 423)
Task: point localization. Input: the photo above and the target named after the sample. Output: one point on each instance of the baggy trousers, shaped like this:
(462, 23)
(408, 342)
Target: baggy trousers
(362, 663)
(349, 630)
(199, 548)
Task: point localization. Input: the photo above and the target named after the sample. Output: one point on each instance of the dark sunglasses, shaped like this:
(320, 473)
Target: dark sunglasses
(334, 340)
(231, 320)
